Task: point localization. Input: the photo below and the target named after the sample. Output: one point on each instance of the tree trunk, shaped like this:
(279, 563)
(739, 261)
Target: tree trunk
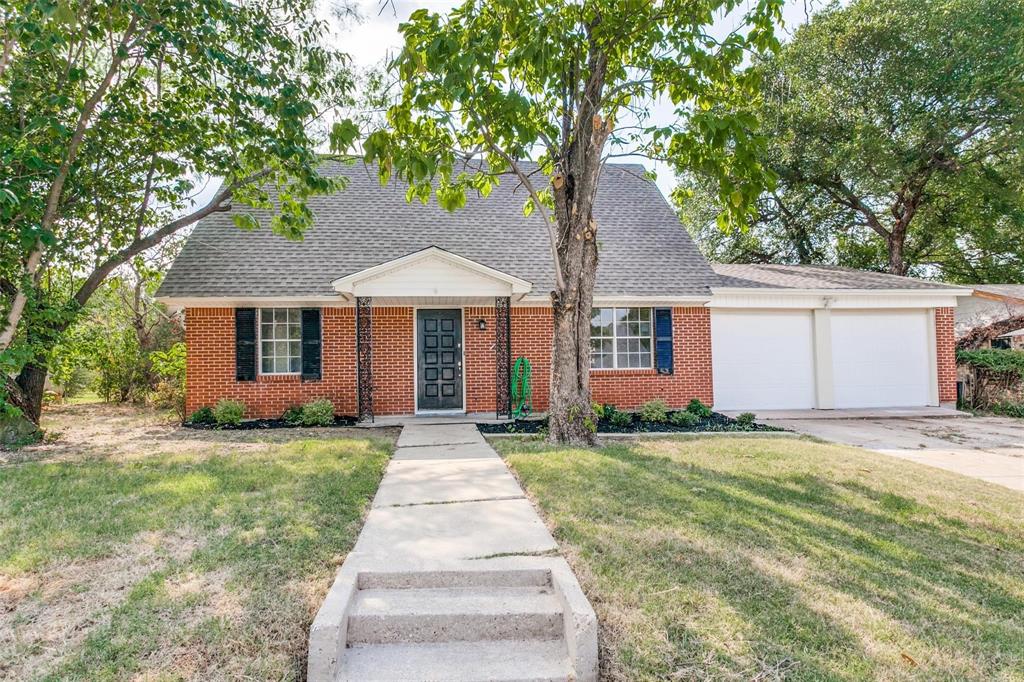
(570, 417)
(897, 262)
(31, 382)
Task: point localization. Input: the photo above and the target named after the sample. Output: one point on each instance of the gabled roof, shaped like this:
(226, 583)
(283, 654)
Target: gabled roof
(817, 278)
(441, 272)
(644, 251)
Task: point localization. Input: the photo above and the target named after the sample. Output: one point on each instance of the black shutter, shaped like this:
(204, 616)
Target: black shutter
(663, 340)
(311, 344)
(245, 344)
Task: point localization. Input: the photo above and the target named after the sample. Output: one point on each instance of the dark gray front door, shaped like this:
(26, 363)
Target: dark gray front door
(439, 352)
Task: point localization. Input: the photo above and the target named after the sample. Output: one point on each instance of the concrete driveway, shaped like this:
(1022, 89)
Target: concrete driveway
(987, 448)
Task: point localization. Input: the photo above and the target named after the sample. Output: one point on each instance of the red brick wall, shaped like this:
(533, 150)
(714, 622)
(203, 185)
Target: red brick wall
(691, 353)
(210, 335)
(945, 347)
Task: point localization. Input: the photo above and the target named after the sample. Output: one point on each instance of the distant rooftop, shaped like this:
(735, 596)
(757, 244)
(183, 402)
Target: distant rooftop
(766, 276)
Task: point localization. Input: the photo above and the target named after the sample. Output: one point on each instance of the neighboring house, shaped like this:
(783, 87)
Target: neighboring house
(989, 304)
(390, 307)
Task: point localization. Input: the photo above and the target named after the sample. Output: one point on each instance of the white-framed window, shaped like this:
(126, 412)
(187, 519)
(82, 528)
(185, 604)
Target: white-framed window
(280, 341)
(621, 338)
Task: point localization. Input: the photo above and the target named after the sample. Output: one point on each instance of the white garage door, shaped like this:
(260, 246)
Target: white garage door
(762, 359)
(881, 359)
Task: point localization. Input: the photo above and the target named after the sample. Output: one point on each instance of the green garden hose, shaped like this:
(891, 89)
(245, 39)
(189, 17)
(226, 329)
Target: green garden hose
(522, 393)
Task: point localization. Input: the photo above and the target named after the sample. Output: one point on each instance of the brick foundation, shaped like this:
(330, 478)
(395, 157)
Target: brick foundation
(210, 337)
(945, 348)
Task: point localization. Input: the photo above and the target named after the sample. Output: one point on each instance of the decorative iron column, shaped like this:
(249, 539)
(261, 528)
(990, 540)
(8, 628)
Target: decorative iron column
(503, 356)
(364, 356)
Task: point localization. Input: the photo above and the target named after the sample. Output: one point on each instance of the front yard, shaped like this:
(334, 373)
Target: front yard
(762, 559)
(131, 548)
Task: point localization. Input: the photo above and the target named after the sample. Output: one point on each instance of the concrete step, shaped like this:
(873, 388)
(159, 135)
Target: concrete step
(454, 614)
(369, 580)
(497, 661)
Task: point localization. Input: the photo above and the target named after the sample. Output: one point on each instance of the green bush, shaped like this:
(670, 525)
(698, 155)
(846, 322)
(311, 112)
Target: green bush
(204, 415)
(698, 408)
(1009, 409)
(746, 419)
(993, 360)
(293, 415)
(654, 411)
(169, 366)
(684, 419)
(621, 419)
(598, 410)
(317, 413)
(229, 412)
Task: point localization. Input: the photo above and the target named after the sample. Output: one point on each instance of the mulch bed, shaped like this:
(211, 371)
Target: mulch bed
(715, 423)
(253, 424)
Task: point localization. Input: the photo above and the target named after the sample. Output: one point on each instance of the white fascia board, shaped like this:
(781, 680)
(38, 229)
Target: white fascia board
(251, 301)
(346, 284)
(834, 298)
(840, 292)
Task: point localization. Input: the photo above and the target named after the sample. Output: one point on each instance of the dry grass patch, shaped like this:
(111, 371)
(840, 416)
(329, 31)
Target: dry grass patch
(192, 557)
(739, 559)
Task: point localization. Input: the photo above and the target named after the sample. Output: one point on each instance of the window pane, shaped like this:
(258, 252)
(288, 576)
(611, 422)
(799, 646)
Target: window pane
(267, 351)
(267, 365)
(294, 331)
(280, 315)
(293, 349)
(293, 364)
(293, 315)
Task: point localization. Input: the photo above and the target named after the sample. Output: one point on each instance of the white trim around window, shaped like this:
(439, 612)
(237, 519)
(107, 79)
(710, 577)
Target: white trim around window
(282, 336)
(622, 338)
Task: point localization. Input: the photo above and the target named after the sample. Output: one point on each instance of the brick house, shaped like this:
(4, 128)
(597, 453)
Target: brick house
(390, 307)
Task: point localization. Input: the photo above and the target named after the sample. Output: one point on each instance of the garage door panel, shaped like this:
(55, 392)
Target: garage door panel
(762, 359)
(880, 359)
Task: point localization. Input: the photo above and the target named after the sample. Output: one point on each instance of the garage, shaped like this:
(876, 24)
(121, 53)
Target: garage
(881, 358)
(798, 337)
(762, 359)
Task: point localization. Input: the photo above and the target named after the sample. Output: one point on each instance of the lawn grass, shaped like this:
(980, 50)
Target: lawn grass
(195, 558)
(726, 558)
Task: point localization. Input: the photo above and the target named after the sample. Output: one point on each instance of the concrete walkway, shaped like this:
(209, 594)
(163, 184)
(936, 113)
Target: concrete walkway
(986, 448)
(454, 577)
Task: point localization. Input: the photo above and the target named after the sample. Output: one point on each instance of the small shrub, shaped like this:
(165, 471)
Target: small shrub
(293, 415)
(655, 411)
(317, 413)
(1009, 409)
(621, 419)
(698, 408)
(684, 419)
(746, 419)
(229, 412)
(598, 410)
(204, 415)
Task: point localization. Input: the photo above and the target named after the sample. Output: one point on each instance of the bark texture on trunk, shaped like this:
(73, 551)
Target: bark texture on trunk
(29, 397)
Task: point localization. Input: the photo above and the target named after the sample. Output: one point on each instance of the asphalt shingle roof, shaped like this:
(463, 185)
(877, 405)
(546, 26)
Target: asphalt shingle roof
(1010, 291)
(644, 251)
(766, 276)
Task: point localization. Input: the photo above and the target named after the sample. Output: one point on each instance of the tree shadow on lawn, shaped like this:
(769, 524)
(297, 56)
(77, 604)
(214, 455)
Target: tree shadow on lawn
(266, 529)
(767, 567)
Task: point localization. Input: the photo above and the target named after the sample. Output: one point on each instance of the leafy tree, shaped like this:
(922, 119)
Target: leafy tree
(111, 112)
(497, 81)
(897, 133)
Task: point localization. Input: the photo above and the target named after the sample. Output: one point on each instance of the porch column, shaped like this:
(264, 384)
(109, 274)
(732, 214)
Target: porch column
(502, 357)
(364, 356)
